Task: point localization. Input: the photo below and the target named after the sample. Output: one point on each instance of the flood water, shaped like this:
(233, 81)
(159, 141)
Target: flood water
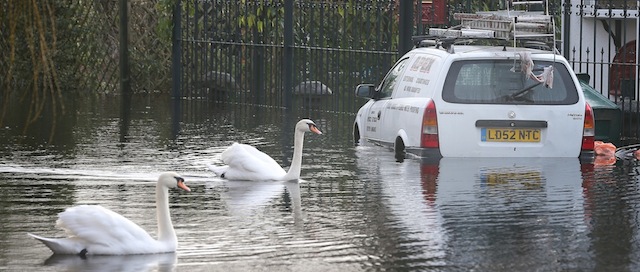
(355, 209)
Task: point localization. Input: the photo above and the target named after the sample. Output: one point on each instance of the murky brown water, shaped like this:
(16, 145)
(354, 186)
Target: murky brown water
(355, 209)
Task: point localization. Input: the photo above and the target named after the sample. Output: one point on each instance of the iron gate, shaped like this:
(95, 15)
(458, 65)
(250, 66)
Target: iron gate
(284, 53)
(311, 54)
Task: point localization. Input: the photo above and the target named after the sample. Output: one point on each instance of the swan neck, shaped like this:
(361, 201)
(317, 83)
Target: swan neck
(296, 161)
(165, 227)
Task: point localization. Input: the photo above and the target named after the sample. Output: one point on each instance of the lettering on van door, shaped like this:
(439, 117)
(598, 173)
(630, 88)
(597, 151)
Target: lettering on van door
(405, 108)
(372, 120)
(422, 64)
(407, 79)
(411, 89)
(422, 81)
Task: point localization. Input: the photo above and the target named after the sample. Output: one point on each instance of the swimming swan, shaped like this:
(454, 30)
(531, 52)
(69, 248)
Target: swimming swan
(95, 230)
(245, 162)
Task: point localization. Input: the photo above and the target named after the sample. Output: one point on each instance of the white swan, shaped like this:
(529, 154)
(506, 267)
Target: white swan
(245, 162)
(95, 230)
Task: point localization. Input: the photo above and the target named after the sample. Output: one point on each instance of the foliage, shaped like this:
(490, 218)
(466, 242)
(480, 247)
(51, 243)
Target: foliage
(29, 44)
(60, 50)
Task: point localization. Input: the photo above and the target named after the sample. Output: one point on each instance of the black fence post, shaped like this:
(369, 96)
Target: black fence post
(288, 53)
(176, 51)
(125, 80)
(566, 26)
(176, 68)
(418, 15)
(406, 27)
(257, 69)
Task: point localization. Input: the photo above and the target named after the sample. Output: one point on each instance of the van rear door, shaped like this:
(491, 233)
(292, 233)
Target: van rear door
(491, 108)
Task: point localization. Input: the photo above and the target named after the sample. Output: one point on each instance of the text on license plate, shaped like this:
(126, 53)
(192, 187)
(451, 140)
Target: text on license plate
(510, 135)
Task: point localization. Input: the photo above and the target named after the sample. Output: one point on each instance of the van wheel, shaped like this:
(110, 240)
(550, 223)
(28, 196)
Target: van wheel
(399, 150)
(356, 135)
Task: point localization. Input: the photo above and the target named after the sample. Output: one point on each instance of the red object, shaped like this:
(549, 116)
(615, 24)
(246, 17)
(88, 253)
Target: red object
(434, 12)
(429, 179)
(622, 68)
(588, 135)
(604, 149)
(605, 153)
(429, 136)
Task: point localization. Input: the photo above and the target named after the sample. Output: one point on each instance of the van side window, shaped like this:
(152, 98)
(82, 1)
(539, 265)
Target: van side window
(391, 79)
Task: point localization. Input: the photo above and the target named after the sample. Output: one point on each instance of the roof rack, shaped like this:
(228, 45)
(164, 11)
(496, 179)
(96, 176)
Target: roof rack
(466, 38)
(529, 28)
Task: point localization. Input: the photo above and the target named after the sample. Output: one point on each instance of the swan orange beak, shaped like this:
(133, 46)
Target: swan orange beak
(183, 186)
(314, 129)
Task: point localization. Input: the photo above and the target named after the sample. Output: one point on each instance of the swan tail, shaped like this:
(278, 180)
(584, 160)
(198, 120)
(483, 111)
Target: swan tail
(218, 170)
(61, 246)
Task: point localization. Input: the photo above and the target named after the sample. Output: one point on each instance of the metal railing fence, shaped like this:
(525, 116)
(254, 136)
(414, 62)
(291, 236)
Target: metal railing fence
(599, 39)
(239, 51)
(311, 54)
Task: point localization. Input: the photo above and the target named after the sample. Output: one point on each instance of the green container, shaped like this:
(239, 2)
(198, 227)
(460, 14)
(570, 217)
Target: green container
(607, 114)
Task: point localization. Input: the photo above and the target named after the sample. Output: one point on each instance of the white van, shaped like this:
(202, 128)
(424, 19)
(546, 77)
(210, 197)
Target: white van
(450, 100)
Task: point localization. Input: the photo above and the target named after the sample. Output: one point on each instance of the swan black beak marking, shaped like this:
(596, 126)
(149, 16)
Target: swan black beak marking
(313, 128)
(181, 184)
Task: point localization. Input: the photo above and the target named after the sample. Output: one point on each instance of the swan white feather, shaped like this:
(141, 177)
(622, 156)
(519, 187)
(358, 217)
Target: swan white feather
(245, 162)
(96, 230)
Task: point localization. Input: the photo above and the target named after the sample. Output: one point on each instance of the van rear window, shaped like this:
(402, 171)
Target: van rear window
(503, 82)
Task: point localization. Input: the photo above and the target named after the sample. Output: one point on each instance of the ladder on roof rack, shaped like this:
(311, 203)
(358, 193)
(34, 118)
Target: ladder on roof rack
(527, 3)
(537, 28)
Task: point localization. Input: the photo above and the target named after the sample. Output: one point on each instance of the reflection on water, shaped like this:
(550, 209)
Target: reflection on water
(356, 209)
(412, 218)
(137, 263)
(531, 207)
(243, 198)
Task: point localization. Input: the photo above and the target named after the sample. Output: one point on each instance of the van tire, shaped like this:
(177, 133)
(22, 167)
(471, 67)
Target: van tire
(356, 134)
(399, 150)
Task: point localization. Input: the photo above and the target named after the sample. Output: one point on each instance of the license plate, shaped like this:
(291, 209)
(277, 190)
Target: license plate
(526, 180)
(529, 135)
(501, 178)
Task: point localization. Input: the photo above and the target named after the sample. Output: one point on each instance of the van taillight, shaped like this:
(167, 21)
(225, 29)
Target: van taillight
(589, 132)
(429, 137)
